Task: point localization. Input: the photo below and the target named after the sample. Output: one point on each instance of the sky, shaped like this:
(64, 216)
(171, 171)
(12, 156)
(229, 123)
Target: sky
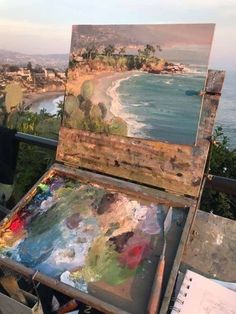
(44, 26)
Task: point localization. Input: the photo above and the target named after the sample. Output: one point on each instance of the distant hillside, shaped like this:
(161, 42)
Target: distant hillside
(59, 61)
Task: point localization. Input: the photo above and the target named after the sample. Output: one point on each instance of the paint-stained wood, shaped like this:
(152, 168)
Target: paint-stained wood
(9, 305)
(211, 248)
(214, 82)
(155, 163)
(207, 118)
(135, 190)
(172, 277)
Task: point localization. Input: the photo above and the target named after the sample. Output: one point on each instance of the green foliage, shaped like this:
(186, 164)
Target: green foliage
(14, 96)
(122, 51)
(118, 126)
(13, 68)
(72, 63)
(90, 52)
(120, 61)
(95, 112)
(222, 163)
(109, 50)
(87, 89)
(32, 161)
(148, 50)
(103, 109)
(85, 115)
(48, 127)
(29, 66)
(71, 102)
(95, 125)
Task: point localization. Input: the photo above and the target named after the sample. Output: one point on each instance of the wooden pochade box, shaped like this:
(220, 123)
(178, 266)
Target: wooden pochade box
(151, 171)
(92, 226)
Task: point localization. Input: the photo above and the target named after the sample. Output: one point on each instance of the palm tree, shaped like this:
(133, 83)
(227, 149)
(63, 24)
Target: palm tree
(148, 50)
(122, 51)
(109, 50)
(90, 52)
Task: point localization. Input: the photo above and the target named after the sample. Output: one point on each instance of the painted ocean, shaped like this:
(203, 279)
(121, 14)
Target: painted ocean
(165, 107)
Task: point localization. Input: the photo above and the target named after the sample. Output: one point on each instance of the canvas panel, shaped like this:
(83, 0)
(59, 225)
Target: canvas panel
(142, 81)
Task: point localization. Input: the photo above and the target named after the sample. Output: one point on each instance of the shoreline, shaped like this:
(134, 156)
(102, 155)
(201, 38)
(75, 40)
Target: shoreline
(106, 86)
(31, 99)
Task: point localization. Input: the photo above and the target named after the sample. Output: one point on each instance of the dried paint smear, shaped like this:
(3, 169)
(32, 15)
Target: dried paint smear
(81, 233)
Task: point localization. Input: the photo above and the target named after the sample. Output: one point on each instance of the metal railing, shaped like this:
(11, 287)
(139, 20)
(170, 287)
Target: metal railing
(36, 140)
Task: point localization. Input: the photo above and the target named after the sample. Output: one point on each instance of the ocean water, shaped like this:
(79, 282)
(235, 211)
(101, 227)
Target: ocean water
(50, 104)
(160, 107)
(226, 115)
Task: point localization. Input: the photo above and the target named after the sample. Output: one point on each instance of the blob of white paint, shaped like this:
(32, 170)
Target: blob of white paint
(219, 239)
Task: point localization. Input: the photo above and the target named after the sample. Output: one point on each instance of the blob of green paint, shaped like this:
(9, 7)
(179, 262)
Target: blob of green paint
(102, 264)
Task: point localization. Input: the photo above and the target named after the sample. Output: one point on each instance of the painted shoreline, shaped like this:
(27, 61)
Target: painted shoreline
(107, 91)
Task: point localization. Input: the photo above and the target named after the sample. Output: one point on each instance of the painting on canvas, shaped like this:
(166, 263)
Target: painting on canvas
(142, 81)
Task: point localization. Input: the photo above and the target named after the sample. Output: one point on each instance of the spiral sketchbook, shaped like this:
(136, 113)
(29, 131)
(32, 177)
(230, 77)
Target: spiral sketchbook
(200, 295)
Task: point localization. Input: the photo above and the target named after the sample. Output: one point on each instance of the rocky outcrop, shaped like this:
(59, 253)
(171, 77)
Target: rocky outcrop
(163, 68)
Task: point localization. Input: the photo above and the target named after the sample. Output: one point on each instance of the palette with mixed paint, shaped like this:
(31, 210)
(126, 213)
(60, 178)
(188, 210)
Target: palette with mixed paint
(90, 237)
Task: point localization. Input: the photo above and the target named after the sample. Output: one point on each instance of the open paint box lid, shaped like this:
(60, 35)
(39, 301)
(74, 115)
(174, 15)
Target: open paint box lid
(134, 103)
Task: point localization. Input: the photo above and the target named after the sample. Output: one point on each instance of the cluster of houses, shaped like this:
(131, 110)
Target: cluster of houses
(30, 79)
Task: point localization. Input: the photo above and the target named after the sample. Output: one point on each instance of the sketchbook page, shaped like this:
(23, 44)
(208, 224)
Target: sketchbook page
(200, 295)
(226, 284)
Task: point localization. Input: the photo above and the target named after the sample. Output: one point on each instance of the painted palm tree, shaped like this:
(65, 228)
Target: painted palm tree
(109, 50)
(122, 51)
(91, 52)
(148, 50)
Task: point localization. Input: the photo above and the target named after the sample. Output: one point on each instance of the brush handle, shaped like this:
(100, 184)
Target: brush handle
(154, 302)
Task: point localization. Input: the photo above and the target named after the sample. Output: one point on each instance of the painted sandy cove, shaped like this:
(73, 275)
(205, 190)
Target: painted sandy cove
(82, 233)
(138, 80)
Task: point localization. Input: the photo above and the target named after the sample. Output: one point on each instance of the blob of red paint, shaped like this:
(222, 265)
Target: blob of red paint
(133, 255)
(19, 221)
(17, 224)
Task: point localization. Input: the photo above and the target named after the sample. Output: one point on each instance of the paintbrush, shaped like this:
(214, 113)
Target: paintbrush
(154, 303)
(10, 284)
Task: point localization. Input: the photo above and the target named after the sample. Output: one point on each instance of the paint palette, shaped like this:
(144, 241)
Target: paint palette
(99, 240)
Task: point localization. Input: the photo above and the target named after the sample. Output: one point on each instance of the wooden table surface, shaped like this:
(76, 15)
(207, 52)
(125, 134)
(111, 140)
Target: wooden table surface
(211, 249)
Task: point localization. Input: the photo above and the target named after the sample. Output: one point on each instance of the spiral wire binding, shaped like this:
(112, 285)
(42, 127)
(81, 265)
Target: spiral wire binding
(179, 302)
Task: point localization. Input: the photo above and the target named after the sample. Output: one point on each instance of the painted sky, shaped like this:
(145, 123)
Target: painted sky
(40, 26)
(185, 43)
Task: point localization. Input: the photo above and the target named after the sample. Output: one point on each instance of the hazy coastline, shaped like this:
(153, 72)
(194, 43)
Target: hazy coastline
(31, 99)
(38, 101)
